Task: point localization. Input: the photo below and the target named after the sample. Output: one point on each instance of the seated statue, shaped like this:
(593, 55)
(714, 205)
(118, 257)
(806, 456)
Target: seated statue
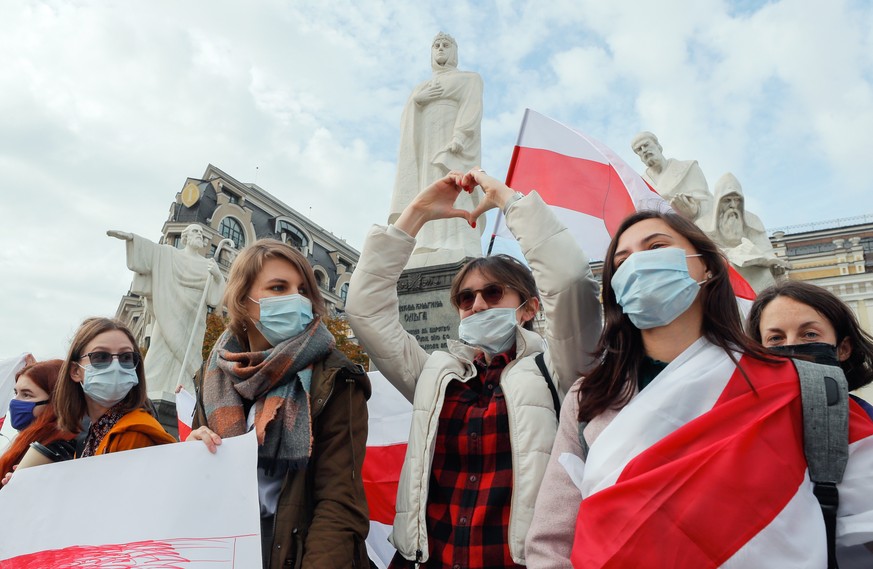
(741, 235)
(680, 182)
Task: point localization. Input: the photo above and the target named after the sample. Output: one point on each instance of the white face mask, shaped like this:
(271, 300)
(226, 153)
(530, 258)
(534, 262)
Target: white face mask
(493, 330)
(283, 317)
(107, 386)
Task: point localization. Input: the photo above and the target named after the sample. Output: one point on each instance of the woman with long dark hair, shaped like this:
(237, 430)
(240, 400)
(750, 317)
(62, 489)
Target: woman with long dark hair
(800, 318)
(683, 447)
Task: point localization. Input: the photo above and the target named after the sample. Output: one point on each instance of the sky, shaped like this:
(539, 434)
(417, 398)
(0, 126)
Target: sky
(107, 108)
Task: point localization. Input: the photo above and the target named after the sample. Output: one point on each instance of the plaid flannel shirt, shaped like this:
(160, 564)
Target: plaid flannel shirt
(468, 503)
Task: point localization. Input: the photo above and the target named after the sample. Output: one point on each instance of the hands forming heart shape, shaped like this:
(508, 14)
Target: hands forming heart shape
(437, 201)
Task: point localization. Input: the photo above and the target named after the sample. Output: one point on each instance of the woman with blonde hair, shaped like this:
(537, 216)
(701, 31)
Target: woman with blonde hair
(276, 370)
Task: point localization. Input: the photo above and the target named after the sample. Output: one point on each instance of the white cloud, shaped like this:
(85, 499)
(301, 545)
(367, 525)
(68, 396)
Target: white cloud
(108, 107)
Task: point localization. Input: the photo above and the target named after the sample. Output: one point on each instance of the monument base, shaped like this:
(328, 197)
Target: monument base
(425, 309)
(423, 258)
(164, 404)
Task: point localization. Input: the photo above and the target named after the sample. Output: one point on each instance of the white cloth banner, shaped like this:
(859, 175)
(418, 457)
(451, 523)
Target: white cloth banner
(8, 368)
(133, 509)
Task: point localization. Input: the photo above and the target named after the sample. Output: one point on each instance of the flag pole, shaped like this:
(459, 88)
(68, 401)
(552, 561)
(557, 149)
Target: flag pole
(494, 233)
(508, 183)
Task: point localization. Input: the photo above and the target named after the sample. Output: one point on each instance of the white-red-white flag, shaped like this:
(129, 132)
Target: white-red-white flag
(590, 188)
(390, 419)
(185, 403)
(703, 470)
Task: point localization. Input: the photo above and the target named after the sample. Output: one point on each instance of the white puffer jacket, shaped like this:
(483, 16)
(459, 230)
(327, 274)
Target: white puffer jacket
(569, 295)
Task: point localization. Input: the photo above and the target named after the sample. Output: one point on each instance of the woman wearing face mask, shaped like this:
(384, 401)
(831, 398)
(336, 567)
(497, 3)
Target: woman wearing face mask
(276, 370)
(484, 416)
(796, 318)
(683, 447)
(103, 378)
(31, 412)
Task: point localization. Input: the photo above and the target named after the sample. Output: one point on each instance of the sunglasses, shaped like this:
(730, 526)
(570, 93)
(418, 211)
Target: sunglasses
(491, 294)
(100, 360)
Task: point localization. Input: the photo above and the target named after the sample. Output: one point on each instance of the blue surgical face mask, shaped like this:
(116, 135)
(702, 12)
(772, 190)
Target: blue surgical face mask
(493, 330)
(283, 317)
(654, 288)
(108, 386)
(21, 413)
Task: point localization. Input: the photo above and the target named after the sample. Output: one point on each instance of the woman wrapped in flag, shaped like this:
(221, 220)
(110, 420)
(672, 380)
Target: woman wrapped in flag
(484, 415)
(683, 447)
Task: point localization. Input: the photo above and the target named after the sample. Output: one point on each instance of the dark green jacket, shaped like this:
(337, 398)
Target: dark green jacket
(322, 518)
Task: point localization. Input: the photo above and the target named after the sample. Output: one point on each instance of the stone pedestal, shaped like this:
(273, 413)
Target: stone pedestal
(425, 309)
(164, 404)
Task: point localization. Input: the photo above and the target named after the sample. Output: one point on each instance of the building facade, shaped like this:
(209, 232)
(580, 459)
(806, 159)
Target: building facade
(838, 256)
(243, 213)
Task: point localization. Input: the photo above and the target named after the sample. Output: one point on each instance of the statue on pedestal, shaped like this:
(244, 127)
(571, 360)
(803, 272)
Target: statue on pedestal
(439, 132)
(178, 285)
(680, 182)
(741, 235)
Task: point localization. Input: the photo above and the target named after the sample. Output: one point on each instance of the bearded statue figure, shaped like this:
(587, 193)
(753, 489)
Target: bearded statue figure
(680, 182)
(741, 235)
(178, 285)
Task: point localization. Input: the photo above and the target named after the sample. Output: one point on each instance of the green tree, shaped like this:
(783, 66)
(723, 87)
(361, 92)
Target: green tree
(215, 325)
(340, 329)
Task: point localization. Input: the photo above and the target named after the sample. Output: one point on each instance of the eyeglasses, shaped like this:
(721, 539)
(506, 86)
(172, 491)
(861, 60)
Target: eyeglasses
(491, 294)
(100, 360)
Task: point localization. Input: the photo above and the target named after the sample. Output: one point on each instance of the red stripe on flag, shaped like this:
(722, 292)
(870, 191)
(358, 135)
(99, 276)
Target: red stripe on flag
(184, 430)
(860, 424)
(381, 474)
(741, 288)
(697, 496)
(593, 188)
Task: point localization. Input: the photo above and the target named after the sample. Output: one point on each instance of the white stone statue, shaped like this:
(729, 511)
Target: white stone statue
(741, 235)
(178, 285)
(680, 182)
(439, 132)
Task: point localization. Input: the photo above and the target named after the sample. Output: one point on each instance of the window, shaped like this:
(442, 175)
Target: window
(292, 235)
(320, 279)
(344, 292)
(232, 229)
(811, 249)
(232, 198)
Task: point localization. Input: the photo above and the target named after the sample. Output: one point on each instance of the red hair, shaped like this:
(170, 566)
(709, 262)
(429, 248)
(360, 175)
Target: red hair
(44, 429)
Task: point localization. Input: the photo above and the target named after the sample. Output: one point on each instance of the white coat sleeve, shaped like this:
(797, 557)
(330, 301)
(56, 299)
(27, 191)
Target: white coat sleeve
(372, 307)
(568, 291)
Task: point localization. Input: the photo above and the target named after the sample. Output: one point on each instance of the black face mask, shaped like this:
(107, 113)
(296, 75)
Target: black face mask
(818, 352)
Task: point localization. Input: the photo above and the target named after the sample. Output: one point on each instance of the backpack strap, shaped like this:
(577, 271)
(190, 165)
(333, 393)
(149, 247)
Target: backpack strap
(825, 398)
(541, 363)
